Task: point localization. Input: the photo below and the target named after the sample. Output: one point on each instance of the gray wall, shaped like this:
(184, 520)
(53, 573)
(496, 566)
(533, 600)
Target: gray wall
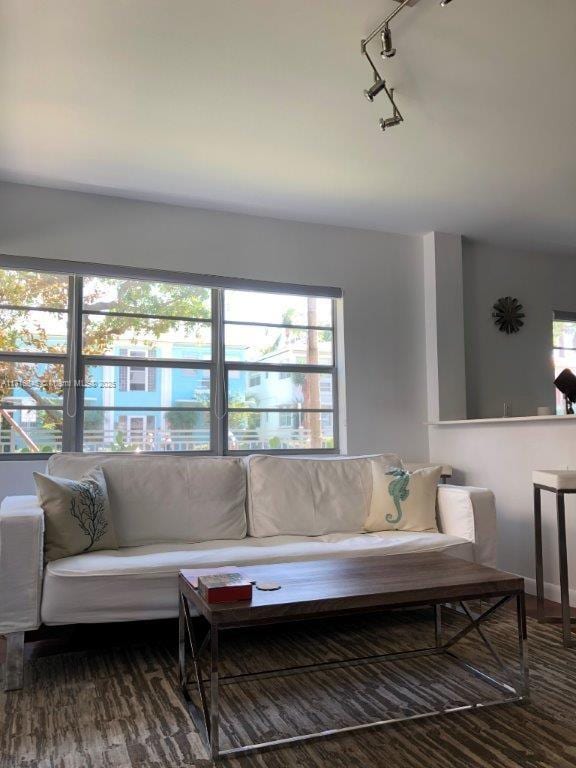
(516, 368)
(381, 274)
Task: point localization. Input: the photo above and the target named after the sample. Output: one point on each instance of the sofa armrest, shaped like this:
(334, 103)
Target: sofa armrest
(21, 563)
(471, 514)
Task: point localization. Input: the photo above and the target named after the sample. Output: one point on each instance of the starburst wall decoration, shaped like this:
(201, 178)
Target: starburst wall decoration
(508, 314)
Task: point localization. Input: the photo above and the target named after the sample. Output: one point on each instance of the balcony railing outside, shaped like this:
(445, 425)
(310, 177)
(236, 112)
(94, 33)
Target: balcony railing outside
(165, 440)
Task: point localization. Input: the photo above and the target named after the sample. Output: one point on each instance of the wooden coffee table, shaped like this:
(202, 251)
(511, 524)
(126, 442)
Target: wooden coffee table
(340, 587)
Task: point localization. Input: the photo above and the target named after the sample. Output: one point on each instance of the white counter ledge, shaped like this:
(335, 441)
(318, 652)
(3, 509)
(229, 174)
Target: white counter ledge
(502, 420)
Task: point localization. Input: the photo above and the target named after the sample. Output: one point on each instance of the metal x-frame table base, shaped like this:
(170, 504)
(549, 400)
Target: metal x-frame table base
(206, 716)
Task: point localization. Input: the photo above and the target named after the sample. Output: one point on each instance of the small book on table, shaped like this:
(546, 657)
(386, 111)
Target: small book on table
(224, 587)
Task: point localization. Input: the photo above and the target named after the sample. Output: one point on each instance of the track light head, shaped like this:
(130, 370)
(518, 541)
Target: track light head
(389, 122)
(444, 3)
(387, 49)
(372, 92)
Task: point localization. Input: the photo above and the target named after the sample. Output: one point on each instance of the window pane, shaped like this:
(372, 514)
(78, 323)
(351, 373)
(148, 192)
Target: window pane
(107, 294)
(146, 430)
(280, 389)
(260, 344)
(564, 334)
(137, 381)
(114, 386)
(33, 289)
(133, 337)
(30, 431)
(564, 337)
(31, 383)
(31, 331)
(256, 307)
(279, 430)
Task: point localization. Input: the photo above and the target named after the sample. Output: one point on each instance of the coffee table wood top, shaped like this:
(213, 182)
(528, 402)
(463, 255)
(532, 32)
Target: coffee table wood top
(337, 586)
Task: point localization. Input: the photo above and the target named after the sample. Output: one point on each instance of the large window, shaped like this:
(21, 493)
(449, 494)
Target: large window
(136, 362)
(564, 349)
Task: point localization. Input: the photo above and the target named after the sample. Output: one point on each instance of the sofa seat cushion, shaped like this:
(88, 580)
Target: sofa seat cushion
(136, 583)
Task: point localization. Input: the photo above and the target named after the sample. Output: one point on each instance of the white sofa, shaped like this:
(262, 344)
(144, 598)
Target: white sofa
(183, 512)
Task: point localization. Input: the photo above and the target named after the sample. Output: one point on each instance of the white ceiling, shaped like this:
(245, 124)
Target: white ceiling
(257, 106)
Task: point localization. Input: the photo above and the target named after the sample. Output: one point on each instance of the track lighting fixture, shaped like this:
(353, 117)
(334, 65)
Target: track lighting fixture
(396, 119)
(387, 52)
(378, 87)
(387, 49)
(389, 122)
(372, 92)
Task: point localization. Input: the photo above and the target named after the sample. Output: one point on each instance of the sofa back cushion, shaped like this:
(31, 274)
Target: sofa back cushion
(156, 499)
(310, 497)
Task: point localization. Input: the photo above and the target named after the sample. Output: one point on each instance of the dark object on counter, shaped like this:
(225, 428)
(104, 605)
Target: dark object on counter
(566, 383)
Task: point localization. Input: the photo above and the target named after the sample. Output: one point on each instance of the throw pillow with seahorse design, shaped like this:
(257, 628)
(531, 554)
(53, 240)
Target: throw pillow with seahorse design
(403, 501)
(399, 491)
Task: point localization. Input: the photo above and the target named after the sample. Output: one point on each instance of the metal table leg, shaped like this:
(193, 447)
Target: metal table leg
(565, 619)
(214, 695)
(564, 586)
(182, 645)
(538, 553)
(438, 624)
(190, 638)
(523, 646)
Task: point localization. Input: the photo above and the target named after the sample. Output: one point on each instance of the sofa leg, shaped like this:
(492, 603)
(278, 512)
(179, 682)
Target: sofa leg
(14, 666)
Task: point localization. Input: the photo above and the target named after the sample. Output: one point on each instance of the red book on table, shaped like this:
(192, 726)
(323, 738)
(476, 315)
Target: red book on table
(224, 588)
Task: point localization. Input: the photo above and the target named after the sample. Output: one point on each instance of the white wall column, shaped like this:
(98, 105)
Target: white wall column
(444, 314)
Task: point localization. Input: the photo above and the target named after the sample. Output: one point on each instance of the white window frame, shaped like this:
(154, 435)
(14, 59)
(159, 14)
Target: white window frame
(75, 362)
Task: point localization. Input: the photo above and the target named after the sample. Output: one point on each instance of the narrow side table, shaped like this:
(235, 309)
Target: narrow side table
(558, 482)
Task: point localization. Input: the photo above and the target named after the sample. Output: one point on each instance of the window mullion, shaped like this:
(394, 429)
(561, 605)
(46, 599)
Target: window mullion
(218, 399)
(80, 368)
(68, 421)
(335, 380)
(280, 367)
(147, 362)
(33, 357)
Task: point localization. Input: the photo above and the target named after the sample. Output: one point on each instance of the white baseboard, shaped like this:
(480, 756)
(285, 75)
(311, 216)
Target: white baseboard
(551, 591)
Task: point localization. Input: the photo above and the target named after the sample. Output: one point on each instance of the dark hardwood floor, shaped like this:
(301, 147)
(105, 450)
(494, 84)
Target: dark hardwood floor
(52, 640)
